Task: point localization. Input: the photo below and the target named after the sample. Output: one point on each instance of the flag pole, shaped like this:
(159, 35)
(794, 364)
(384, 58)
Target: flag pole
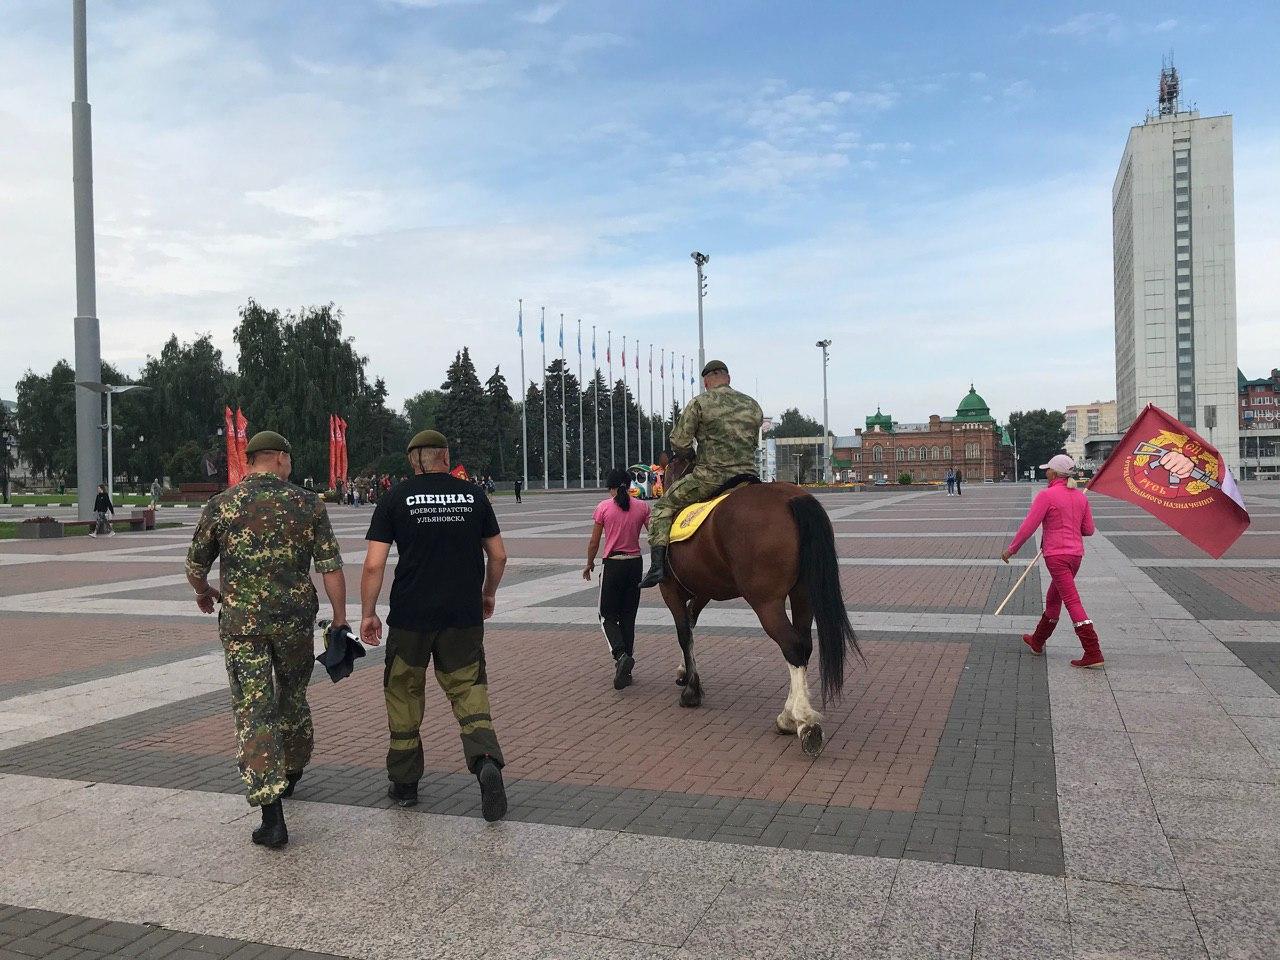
(1019, 582)
(662, 374)
(595, 397)
(542, 335)
(639, 411)
(626, 423)
(524, 404)
(608, 355)
(564, 417)
(582, 437)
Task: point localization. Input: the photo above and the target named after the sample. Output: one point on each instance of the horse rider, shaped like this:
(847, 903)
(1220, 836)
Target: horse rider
(726, 426)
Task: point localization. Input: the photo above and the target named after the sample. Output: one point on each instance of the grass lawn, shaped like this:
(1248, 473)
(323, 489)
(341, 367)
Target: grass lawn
(9, 529)
(69, 498)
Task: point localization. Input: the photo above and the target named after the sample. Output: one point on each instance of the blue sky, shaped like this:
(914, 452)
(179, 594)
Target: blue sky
(927, 185)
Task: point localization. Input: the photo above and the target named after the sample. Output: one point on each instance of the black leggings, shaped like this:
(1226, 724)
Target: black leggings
(619, 601)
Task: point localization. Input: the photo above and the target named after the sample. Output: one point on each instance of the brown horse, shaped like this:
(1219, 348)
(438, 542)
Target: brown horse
(766, 543)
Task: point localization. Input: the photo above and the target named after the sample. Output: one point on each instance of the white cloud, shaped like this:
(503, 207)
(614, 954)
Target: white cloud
(542, 14)
(1087, 25)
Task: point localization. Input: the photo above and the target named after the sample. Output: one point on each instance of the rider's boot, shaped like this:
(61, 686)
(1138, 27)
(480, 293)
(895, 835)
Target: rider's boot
(657, 567)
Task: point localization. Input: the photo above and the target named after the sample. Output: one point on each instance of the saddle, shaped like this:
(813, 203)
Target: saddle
(691, 517)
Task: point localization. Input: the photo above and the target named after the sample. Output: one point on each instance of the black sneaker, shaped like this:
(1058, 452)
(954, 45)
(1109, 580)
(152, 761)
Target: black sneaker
(493, 795)
(622, 672)
(404, 794)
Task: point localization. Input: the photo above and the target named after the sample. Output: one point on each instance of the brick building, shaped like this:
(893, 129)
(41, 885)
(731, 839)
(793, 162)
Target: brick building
(971, 442)
(1259, 426)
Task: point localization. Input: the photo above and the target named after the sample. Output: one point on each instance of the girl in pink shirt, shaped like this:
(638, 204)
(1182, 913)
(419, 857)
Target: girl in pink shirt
(1064, 515)
(619, 521)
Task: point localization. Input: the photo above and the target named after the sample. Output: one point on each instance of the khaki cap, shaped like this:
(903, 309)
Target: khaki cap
(267, 440)
(714, 366)
(431, 439)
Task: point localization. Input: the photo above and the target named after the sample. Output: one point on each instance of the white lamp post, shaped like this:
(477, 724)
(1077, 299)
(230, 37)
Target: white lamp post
(826, 433)
(110, 390)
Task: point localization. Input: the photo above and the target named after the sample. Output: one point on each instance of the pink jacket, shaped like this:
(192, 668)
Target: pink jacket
(1066, 517)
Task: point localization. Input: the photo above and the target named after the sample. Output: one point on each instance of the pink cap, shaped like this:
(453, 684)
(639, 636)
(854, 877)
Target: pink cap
(1060, 463)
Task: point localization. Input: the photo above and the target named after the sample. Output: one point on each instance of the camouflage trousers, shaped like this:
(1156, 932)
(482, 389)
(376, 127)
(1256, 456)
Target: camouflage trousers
(269, 677)
(460, 671)
(685, 492)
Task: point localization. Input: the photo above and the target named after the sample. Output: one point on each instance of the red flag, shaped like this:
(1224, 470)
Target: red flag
(1179, 478)
(333, 451)
(234, 474)
(460, 472)
(342, 450)
(242, 441)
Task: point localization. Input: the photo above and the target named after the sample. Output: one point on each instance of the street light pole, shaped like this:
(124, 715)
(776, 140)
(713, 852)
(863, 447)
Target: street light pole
(826, 433)
(110, 390)
(700, 259)
(88, 345)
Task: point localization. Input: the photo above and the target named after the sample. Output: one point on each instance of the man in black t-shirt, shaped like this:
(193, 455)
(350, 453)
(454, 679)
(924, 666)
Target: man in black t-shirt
(451, 559)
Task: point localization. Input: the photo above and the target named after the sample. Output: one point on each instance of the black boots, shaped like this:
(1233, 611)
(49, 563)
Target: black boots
(272, 833)
(657, 567)
(493, 795)
(404, 794)
(293, 779)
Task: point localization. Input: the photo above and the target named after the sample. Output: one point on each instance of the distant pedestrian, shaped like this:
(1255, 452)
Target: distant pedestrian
(102, 508)
(959, 478)
(265, 532)
(619, 520)
(155, 493)
(451, 560)
(951, 483)
(1064, 514)
(519, 486)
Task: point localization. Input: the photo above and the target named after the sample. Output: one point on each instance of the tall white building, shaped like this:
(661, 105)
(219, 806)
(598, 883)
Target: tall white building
(1173, 235)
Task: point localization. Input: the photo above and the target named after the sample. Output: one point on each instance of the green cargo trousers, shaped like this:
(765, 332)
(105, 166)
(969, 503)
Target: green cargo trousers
(459, 653)
(685, 492)
(268, 677)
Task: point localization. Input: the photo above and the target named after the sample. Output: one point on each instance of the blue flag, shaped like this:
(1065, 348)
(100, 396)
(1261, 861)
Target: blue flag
(542, 330)
(593, 344)
(520, 326)
(562, 333)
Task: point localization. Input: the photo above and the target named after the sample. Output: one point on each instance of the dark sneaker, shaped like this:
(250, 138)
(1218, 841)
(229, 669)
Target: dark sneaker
(273, 833)
(293, 779)
(493, 795)
(622, 672)
(404, 794)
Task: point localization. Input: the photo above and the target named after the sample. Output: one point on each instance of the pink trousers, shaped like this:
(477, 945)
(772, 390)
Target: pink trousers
(1063, 590)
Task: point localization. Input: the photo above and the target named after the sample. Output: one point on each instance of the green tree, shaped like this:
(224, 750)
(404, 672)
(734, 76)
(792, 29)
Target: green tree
(423, 409)
(533, 401)
(501, 411)
(793, 423)
(463, 417)
(47, 421)
(1041, 434)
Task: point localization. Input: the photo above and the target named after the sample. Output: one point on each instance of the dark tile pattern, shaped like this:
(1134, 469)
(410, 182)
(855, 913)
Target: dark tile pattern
(1262, 658)
(67, 678)
(59, 936)
(989, 800)
(1201, 599)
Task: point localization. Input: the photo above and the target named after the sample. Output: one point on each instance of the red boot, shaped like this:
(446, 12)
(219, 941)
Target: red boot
(1089, 640)
(1037, 638)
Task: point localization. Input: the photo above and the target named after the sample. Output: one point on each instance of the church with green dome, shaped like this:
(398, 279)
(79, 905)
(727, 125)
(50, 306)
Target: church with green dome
(972, 442)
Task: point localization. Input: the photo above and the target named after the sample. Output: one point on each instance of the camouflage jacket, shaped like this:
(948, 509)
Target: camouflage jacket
(266, 532)
(726, 425)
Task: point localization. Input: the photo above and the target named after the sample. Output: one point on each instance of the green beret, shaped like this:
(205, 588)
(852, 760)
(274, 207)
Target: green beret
(431, 439)
(714, 366)
(266, 440)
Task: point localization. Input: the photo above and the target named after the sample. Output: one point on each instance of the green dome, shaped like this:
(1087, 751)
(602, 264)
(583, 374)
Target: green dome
(880, 421)
(973, 407)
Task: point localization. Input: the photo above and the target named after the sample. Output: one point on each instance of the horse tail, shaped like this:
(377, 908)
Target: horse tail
(820, 574)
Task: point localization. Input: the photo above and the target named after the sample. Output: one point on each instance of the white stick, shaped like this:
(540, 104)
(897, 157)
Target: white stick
(1032, 564)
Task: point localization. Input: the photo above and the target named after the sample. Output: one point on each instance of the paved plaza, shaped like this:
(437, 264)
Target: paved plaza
(973, 800)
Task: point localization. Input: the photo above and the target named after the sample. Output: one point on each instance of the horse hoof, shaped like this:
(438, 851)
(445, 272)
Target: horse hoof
(811, 741)
(691, 695)
(782, 727)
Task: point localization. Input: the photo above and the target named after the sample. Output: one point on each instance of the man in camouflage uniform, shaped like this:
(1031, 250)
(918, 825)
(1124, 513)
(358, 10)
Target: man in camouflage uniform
(726, 426)
(266, 531)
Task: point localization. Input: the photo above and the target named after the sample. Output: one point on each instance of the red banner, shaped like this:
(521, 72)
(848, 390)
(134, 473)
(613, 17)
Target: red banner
(342, 450)
(333, 451)
(460, 472)
(1179, 478)
(234, 473)
(242, 441)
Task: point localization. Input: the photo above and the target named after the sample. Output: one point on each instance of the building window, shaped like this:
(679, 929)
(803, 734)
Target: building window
(900, 455)
(937, 453)
(971, 451)
(877, 454)
(946, 453)
(911, 453)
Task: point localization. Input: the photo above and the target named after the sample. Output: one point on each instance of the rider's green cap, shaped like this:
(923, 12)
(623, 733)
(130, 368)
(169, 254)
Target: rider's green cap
(431, 439)
(714, 366)
(266, 440)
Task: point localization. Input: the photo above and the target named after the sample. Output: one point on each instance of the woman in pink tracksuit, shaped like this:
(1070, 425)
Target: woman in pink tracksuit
(1064, 514)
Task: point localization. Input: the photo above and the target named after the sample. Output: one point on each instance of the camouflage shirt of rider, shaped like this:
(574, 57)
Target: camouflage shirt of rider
(266, 532)
(726, 425)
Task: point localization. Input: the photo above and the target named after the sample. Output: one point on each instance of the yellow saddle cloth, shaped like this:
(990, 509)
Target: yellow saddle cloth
(690, 518)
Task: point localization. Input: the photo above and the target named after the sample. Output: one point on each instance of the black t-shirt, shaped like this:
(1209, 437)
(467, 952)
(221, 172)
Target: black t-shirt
(436, 522)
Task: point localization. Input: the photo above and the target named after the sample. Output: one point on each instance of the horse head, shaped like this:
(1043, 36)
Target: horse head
(676, 465)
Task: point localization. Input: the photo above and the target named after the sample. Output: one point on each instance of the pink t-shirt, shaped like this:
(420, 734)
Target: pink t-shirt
(622, 527)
